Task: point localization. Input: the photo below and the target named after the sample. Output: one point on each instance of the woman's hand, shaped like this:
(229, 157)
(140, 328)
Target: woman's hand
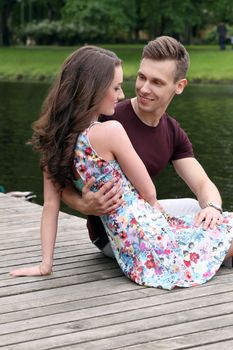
(157, 206)
(37, 270)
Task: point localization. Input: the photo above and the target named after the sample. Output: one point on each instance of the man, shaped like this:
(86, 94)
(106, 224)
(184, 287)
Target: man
(222, 34)
(158, 139)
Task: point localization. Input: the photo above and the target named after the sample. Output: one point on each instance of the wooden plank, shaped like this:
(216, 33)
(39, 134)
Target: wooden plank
(69, 272)
(30, 251)
(43, 283)
(214, 339)
(87, 302)
(92, 290)
(223, 345)
(127, 334)
(143, 309)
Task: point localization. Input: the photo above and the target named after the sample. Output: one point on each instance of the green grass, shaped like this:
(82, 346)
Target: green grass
(208, 63)
(37, 63)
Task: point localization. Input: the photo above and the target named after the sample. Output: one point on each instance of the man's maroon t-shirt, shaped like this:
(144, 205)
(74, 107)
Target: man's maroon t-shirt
(156, 146)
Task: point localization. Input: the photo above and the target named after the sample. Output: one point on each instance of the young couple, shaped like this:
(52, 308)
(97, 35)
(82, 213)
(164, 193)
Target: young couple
(156, 243)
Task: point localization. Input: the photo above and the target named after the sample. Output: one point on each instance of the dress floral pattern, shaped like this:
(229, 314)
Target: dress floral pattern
(150, 249)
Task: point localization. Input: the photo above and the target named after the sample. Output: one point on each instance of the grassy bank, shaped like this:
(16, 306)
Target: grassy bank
(208, 63)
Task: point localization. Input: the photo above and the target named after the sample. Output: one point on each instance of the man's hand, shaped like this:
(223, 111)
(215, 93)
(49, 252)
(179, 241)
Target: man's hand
(210, 216)
(108, 198)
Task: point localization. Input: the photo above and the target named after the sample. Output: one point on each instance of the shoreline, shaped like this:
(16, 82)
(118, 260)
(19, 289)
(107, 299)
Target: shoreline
(43, 79)
(41, 64)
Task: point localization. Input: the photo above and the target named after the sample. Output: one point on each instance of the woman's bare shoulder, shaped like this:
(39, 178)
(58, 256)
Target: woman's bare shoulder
(109, 124)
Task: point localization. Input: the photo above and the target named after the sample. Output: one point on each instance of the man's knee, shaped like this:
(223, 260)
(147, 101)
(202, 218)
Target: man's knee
(181, 206)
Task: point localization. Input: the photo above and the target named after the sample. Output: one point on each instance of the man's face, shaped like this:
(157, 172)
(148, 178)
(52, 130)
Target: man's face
(155, 86)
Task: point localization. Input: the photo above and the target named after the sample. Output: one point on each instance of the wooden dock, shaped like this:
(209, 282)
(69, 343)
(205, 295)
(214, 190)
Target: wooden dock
(88, 304)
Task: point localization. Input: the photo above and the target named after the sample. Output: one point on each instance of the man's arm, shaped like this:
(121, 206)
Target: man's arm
(193, 174)
(98, 203)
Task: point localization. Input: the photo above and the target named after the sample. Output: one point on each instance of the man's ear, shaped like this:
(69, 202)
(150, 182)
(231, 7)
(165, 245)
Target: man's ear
(180, 85)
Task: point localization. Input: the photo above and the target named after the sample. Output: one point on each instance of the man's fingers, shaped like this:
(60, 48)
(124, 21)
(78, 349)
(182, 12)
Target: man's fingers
(199, 218)
(213, 222)
(113, 198)
(220, 220)
(106, 188)
(209, 219)
(88, 185)
(111, 190)
(115, 206)
(210, 222)
(106, 199)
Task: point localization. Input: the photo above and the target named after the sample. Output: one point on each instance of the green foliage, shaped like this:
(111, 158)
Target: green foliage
(165, 17)
(129, 19)
(71, 21)
(220, 11)
(108, 20)
(50, 32)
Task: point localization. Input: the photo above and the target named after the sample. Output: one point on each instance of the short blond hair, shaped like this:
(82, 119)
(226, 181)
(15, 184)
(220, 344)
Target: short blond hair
(168, 48)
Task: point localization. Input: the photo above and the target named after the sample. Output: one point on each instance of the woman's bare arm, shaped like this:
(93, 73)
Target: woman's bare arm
(111, 140)
(48, 232)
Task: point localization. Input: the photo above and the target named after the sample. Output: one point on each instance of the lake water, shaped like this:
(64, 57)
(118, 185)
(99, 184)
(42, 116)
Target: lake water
(205, 112)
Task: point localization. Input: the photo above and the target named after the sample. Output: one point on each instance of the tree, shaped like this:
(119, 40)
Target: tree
(17, 13)
(167, 17)
(6, 8)
(105, 20)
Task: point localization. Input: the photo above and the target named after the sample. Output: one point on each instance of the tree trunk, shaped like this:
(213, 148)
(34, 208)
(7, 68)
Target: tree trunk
(6, 9)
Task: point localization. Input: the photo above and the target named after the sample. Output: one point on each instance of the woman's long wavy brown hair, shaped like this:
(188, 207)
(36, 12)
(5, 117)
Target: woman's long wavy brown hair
(69, 108)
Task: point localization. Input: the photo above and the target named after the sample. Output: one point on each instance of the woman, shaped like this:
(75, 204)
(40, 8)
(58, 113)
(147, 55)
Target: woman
(151, 248)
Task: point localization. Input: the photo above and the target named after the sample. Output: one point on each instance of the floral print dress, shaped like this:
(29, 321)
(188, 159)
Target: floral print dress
(150, 249)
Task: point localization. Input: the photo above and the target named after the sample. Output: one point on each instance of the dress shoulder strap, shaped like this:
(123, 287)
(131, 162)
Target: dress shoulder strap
(93, 123)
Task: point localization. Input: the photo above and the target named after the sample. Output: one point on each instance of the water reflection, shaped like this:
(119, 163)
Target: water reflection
(205, 112)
